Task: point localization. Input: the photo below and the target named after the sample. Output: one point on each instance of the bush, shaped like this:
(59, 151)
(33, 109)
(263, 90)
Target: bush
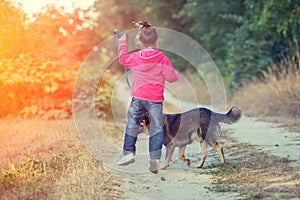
(276, 95)
(33, 87)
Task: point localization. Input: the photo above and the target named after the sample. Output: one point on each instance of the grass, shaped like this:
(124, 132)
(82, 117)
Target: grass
(275, 98)
(46, 160)
(254, 174)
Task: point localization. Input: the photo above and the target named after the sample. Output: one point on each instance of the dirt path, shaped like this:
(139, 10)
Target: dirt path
(268, 137)
(177, 182)
(182, 182)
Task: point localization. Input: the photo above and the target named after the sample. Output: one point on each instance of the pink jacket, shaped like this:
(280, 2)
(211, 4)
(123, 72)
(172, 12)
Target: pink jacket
(150, 68)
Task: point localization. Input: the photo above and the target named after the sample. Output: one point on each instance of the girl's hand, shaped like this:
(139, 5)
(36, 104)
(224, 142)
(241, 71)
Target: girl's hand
(123, 37)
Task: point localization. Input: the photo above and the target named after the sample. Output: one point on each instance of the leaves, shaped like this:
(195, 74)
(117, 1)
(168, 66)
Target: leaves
(243, 37)
(52, 87)
(37, 62)
(29, 111)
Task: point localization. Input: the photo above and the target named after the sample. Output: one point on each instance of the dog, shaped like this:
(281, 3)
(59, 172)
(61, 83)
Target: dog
(182, 129)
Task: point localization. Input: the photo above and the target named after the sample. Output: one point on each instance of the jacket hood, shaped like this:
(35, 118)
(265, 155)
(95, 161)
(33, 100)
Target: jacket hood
(149, 53)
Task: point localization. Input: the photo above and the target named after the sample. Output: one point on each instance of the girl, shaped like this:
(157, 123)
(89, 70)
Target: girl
(150, 68)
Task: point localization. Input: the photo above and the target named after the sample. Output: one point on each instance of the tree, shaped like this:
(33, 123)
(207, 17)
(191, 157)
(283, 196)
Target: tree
(12, 31)
(39, 59)
(269, 30)
(243, 37)
(212, 24)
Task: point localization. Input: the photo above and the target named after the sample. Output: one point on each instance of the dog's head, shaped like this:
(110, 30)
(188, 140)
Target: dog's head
(144, 125)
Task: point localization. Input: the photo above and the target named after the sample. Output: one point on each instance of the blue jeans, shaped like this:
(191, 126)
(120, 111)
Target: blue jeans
(136, 114)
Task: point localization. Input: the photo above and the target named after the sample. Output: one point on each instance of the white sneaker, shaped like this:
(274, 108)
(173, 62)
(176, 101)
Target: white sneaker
(154, 166)
(127, 159)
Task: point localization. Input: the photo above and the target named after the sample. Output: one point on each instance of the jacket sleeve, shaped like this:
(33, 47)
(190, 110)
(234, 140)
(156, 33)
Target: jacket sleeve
(169, 73)
(125, 58)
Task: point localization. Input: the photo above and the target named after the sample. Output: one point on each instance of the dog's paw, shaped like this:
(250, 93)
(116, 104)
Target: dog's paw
(188, 162)
(200, 165)
(164, 167)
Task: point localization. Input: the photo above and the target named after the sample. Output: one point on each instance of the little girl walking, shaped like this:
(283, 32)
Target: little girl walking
(150, 68)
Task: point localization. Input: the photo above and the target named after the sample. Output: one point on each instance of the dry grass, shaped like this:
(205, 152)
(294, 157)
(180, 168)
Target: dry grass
(85, 178)
(46, 160)
(275, 98)
(113, 130)
(255, 174)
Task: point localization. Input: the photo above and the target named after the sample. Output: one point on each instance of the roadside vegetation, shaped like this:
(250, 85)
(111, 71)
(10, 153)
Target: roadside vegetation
(253, 43)
(43, 159)
(254, 174)
(275, 98)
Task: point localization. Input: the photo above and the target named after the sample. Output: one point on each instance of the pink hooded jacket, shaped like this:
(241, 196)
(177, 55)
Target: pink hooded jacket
(150, 68)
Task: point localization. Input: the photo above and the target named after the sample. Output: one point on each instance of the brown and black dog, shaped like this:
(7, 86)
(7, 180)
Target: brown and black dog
(200, 123)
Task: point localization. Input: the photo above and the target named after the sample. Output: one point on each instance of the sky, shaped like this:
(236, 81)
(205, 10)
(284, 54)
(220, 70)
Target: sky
(32, 6)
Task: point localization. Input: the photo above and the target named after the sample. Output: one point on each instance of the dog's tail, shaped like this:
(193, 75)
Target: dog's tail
(232, 116)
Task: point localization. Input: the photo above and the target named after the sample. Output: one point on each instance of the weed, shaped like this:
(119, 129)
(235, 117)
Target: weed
(222, 188)
(222, 169)
(279, 91)
(41, 172)
(31, 176)
(255, 177)
(255, 195)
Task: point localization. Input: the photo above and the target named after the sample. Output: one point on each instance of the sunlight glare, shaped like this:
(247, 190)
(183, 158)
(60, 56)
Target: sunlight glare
(32, 6)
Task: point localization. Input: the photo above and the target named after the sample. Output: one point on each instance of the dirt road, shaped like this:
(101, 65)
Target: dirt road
(177, 182)
(268, 137)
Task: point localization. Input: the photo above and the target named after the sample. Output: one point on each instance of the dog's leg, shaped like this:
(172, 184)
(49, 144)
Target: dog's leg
(204, 153)
(169, 152)
(219, 149)
(182, 157)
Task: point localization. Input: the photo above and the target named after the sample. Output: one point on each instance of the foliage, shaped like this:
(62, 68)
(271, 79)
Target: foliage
(243, 37)
(269, 30)
(12, 31)
(211, 24)
(103, 95)
(32, 86)
(37, 76)
(279, 91)
(114, 14)
(161, 13)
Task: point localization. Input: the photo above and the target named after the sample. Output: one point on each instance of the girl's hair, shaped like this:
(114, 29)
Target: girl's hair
(147, 35)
